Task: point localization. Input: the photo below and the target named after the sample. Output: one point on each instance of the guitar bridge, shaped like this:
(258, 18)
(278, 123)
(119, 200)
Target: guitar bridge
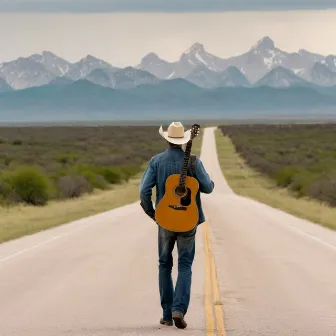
(178, 207)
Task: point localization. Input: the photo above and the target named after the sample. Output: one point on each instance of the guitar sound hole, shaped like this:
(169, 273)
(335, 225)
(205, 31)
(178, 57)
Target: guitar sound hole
(184, 194)
(186, 200)
(180, 191)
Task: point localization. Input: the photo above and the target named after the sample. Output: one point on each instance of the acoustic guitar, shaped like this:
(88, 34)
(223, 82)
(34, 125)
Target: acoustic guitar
(177, 211)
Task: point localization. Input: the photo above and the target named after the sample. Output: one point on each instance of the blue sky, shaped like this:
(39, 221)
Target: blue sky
(160, 5)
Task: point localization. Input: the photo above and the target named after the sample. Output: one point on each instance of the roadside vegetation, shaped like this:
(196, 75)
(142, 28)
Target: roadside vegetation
(291, 167)
(53, 175)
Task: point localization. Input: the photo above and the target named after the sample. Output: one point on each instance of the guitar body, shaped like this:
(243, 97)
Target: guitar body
(178, 213)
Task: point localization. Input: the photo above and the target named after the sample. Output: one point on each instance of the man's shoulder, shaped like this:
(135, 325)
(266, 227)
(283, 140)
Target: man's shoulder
(158, 157)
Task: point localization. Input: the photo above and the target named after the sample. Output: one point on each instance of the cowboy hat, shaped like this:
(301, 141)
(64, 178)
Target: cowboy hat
(175, 133)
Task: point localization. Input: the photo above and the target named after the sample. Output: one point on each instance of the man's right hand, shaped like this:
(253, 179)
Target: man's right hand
(149, 214)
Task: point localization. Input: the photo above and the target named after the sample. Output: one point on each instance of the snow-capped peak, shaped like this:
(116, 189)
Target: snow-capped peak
(312, 57)
(330, 62)
(195, 56)
(320, 74)
(90, 59)
(266, 43)
(151, 58)
(195, 48)
(54, 64)
(156, 66)
(46, 53)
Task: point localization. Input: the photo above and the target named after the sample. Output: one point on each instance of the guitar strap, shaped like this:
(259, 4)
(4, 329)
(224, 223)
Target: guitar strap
(192, 164)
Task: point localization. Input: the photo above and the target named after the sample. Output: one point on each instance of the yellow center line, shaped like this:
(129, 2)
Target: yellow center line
(212, 296)
(208, 290)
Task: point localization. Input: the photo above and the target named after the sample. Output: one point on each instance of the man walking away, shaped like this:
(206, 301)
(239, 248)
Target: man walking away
(174, 303)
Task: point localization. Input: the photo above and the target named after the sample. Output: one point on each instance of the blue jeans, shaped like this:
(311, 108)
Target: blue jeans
(178, 300)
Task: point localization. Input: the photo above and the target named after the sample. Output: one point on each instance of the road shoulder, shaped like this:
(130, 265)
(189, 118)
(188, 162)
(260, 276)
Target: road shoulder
(246, 182)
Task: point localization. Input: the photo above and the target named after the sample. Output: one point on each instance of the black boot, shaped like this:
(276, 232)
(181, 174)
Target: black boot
(179, 320)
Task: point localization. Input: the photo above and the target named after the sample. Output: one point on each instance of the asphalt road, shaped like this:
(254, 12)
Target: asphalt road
(276, 274)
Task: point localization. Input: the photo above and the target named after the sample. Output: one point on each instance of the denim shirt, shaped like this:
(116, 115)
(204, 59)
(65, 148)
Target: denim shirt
(163, 165)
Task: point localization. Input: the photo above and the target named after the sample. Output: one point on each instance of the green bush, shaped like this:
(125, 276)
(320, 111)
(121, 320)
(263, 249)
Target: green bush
(17, 142)
(111, 175)
(7, 196)
(28, 185)
(97, 181)
(68, 158)
(286, 176)
(301, 183)
(129, 172)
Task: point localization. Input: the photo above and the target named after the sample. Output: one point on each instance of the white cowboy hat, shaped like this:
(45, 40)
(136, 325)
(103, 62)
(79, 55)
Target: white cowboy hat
(175, 133)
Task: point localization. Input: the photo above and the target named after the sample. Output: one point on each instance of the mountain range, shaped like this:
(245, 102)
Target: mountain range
(265, 78)
(196, 65)
(176, 98)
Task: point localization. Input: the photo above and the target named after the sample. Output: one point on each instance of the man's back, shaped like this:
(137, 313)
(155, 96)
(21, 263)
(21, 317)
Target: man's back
(165, 164)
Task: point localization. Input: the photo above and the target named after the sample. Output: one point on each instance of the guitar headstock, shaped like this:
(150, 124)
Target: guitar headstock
(195, 131)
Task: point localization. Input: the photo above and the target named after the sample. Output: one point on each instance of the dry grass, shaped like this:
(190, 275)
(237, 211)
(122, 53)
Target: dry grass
(18, 221)
(245, 181)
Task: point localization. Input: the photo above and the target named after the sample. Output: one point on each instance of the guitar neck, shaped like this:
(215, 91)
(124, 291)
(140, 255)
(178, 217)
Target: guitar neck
(185, 164)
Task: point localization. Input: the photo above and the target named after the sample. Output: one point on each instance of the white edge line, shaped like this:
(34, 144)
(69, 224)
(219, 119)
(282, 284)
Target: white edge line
(303, 233)
(36, 246)
(82, 226)
(290, 226)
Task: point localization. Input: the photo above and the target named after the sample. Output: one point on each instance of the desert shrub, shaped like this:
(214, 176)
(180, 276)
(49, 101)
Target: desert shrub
(57, 174)
(17, 142)
(300, 184)
(260, 164)
(73, 186)
(8, 160)
(109, 160)
(27, 184)
(4, 187)
(112, 175)
(324, 190)
(7, 195)
(286, 176)
(129, 171)
(97, 181)
(66, 158)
